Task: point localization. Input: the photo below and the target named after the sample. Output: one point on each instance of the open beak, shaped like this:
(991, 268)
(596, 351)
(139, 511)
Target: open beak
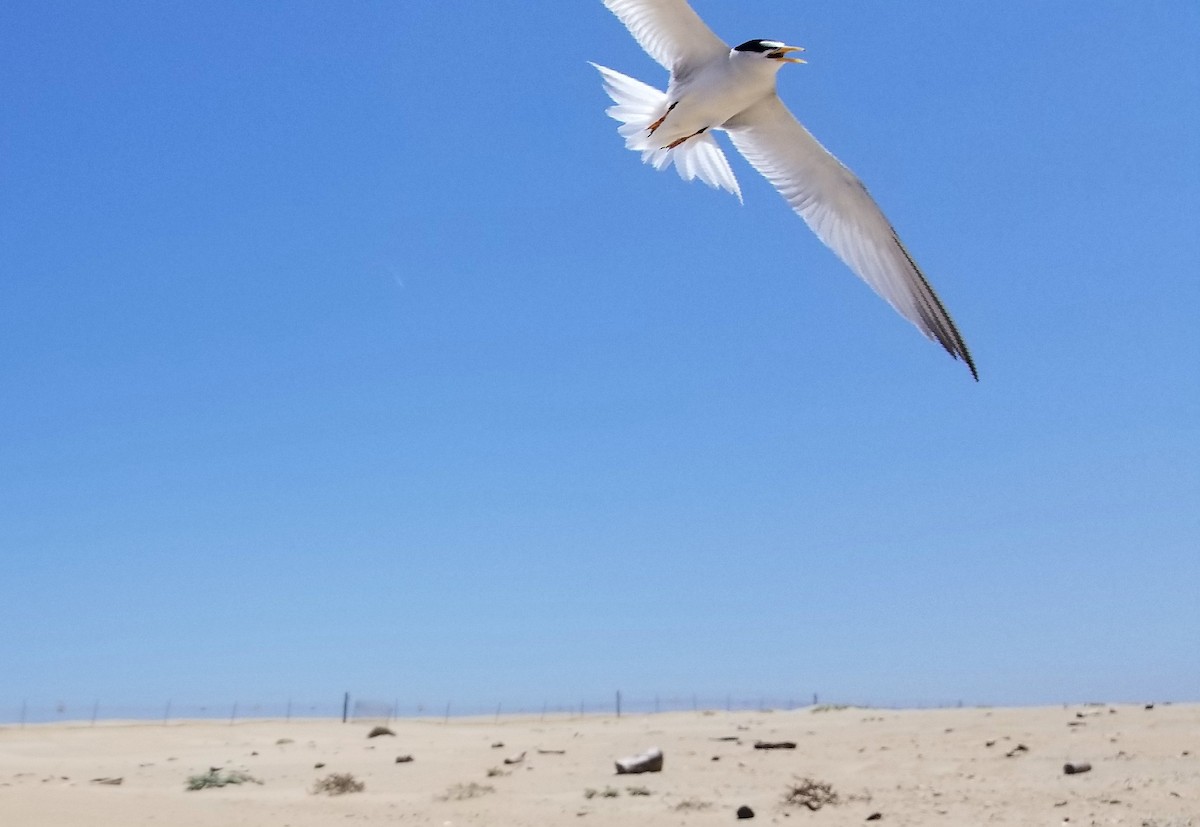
(780, 54)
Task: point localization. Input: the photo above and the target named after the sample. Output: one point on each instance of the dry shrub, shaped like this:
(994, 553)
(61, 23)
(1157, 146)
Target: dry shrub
(216, 778)
(338, 783)
(805, 792)
(461, 792)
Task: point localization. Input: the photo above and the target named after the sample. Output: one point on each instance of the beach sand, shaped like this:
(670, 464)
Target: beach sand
(913, 767)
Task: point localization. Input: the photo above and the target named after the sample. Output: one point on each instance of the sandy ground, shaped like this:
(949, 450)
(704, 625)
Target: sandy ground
(952, 767)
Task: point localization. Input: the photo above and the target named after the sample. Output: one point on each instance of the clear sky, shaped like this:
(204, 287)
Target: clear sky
(343, 346)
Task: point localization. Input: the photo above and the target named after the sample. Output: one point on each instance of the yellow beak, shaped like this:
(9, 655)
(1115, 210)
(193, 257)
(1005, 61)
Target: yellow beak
(779, 54)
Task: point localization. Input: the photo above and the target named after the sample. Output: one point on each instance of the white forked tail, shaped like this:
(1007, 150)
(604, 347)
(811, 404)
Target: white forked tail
(638, 106)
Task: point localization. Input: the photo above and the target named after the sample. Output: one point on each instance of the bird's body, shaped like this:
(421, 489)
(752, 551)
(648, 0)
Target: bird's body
(712, 95)
(715, 88)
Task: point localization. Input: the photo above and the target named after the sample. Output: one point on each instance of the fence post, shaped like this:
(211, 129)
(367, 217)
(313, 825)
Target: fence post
(167, 713)
(233, 714)
(618, 703)
(345, 707)
(289, 710)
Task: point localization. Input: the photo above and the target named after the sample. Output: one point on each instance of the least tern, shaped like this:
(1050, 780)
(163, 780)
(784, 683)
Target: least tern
(716, 88)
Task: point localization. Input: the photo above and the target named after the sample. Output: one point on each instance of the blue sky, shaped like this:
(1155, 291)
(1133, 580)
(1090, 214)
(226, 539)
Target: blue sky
(343, 346)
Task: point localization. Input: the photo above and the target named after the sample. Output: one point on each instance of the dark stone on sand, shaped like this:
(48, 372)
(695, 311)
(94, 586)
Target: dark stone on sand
(1076, 767)
(774, 744)
(745, 812)
(404, 759)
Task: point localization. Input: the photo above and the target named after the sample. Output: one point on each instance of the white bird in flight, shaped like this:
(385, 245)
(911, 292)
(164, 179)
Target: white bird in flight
(716, 88)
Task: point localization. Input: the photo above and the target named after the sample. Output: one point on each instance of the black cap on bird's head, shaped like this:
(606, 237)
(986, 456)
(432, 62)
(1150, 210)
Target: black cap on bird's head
(772, 49)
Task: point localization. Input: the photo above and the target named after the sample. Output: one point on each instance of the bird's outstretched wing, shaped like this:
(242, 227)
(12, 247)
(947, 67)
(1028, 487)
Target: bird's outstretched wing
(838, 208)
(670, 32)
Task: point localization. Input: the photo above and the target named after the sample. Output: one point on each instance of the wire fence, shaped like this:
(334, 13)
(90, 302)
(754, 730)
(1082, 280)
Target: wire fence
(349, 707)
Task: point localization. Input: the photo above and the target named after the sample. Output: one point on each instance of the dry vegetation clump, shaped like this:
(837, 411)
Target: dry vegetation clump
(461, 792)
(638, 790)
(379, 730)
(338, 783)
(216, 778)
(607, 792)
(693, 805)
(805, 792)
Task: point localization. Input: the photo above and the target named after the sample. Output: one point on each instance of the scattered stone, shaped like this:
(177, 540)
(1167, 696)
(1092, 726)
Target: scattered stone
(551, 751)
(1018, 749)
(379, 730)
(1149, 706)
(774, 744)
(649, 761)
(745, 812)
(1076, 767)
(990, 744)
(874, 816)
(515, 759)
(318, 766)
(283, 741)
(498, 745)
(111, 782)
(404, 759)
(727, 738)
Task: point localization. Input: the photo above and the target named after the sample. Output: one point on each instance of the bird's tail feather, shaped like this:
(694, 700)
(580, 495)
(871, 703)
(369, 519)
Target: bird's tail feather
(637, 107)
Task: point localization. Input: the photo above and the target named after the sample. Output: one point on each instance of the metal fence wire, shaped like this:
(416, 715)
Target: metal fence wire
(376, 709)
